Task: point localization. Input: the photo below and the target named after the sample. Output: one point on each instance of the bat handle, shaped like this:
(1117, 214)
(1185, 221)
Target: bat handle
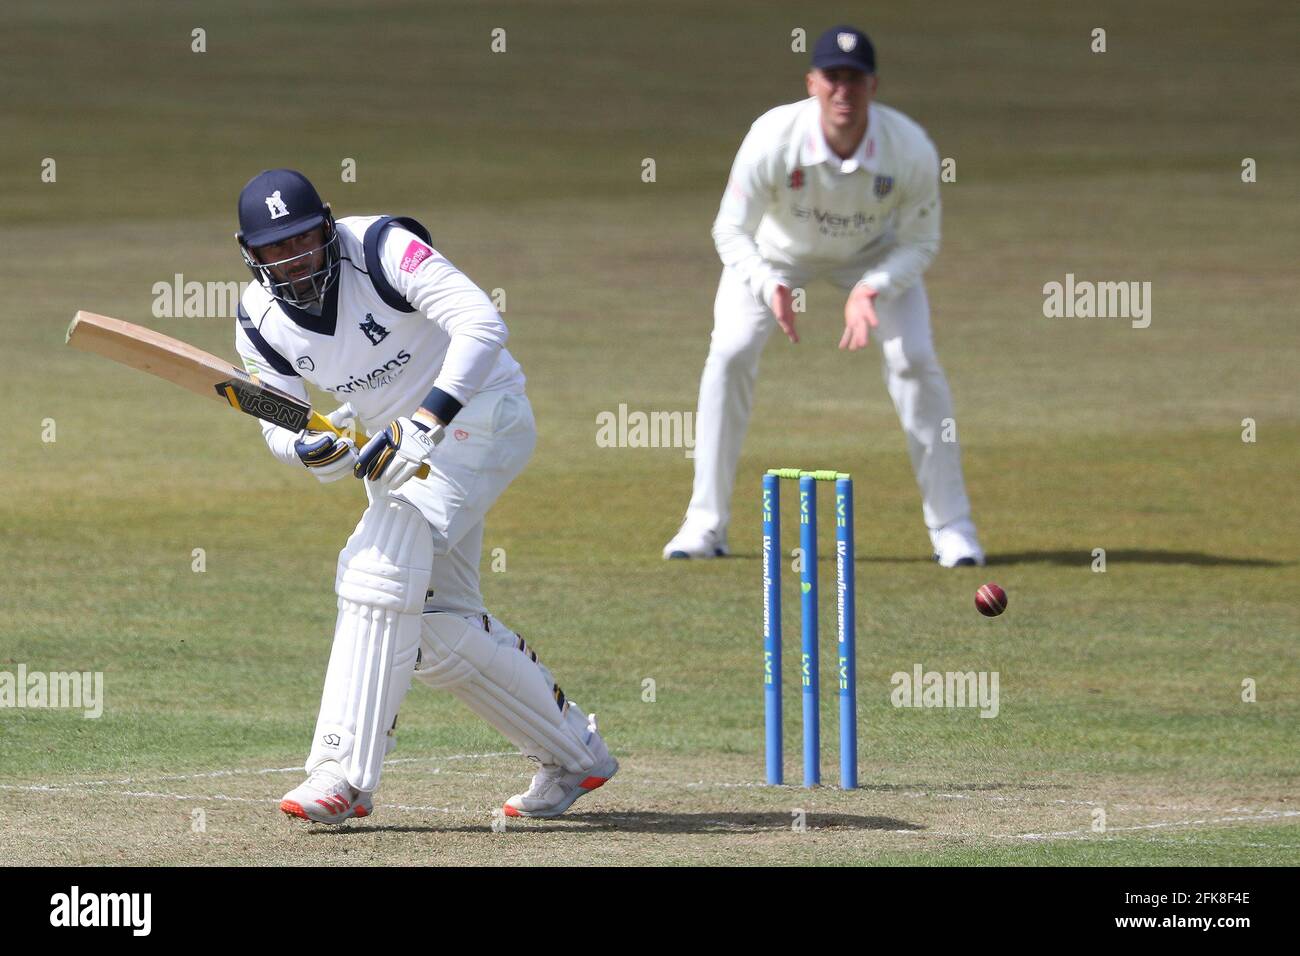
(319, 423)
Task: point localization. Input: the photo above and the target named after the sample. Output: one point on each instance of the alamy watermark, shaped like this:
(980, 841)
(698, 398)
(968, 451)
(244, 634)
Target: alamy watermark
(75, 908)
(1083, 299)
(637, 429)
(76, 690)
(180, 299)
(922, 688)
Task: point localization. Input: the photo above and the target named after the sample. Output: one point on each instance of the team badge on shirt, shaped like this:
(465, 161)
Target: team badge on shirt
(375, 332)
(882, 186)
(796, 179)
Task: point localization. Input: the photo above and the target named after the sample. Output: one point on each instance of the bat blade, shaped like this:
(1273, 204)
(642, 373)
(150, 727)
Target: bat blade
(200, 372)
(187, 366)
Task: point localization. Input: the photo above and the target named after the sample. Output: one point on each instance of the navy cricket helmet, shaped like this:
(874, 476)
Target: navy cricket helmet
(276, 205)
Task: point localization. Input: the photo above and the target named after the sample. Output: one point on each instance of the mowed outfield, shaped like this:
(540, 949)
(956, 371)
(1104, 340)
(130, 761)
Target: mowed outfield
(1122, 735)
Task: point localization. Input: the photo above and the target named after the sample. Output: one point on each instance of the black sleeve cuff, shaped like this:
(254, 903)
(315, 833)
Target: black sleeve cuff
(441, 404)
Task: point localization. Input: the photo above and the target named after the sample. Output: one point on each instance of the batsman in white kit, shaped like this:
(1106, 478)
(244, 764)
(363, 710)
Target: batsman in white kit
(368, 310)
(840, 187)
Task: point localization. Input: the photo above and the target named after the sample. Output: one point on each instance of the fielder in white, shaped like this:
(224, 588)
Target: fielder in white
(366, 309)
(840, 187)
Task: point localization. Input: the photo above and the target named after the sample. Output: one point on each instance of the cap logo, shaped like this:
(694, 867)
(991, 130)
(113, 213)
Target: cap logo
(846, 41)
(276, 205)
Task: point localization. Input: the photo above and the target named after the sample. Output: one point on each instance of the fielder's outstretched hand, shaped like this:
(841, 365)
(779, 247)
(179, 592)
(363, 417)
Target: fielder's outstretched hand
(783, 308)
(859, 318)
(397, 453)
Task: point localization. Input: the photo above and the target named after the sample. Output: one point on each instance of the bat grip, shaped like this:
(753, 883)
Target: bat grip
(319, 423)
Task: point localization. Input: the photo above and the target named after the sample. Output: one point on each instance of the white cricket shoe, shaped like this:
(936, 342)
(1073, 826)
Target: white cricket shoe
(694, 543)
(554, 789)
(327, 797)
(955, 545)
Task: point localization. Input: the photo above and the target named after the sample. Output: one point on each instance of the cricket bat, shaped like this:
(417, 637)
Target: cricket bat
(199, 372)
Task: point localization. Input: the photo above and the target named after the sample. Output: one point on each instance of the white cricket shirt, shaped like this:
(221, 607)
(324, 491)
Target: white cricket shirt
(379, 344)
(790, 201)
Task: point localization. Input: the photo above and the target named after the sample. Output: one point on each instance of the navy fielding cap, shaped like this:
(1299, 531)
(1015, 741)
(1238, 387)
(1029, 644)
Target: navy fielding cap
(844, 47)
(277, 204)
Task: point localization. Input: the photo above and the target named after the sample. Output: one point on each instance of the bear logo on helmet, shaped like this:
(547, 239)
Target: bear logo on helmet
(275, 205)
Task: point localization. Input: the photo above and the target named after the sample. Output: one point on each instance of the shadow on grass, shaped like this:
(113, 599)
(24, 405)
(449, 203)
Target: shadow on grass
(651, 822)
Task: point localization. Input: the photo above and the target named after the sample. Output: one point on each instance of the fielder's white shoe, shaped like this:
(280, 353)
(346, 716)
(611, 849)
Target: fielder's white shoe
(694, 543)
(326, 797)
(955, 545)
(554, 789)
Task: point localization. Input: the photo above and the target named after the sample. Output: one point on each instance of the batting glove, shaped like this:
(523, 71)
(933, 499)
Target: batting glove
(328, 456)
(397, 453)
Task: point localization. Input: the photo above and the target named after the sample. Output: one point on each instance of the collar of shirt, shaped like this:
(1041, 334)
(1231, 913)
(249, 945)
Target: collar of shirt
(814, 149)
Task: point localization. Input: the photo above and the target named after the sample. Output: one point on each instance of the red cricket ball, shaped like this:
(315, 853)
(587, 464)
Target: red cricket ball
(991, 600)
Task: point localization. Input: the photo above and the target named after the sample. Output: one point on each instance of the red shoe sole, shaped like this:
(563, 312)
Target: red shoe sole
(591, 783)
(294, 809)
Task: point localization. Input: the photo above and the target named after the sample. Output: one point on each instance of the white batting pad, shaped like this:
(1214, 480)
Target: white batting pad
(497, 676)
(383, 575)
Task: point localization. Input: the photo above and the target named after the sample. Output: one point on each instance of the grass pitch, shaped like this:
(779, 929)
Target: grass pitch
(1122, 735)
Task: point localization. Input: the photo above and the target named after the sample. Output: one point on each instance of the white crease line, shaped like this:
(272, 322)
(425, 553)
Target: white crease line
(938, 795)
(698, 784)
(411, 809)
(1266, 815)
(125, 781)
(183, 796)
(998, 798)
(1001, 798)
(154, 794)
(1261, 846)
(236, 772)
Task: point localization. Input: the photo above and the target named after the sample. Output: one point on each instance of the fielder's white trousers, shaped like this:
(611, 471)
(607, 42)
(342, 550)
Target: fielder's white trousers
(916, 383)
(486, 446)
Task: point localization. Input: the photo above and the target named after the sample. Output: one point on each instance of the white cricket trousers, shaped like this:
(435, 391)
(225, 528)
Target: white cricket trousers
(485, 447)
(916, 383)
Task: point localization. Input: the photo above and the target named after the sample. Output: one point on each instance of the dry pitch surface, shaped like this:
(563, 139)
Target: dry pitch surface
(440, 811)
